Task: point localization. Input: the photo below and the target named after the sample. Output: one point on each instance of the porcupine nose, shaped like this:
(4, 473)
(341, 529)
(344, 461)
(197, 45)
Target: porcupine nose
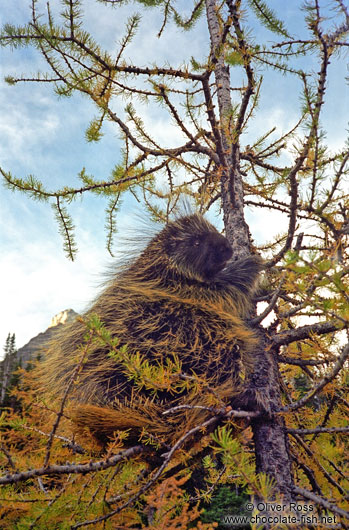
(224, 250)
(227, 251)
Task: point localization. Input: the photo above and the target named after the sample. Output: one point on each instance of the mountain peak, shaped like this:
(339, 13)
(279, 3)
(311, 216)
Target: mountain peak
(68, 315)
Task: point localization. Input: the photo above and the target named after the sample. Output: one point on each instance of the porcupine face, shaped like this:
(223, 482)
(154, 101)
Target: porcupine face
(197, 247)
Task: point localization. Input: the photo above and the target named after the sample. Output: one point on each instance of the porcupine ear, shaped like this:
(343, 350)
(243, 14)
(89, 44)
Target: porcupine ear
(170, 239)
(170, 245)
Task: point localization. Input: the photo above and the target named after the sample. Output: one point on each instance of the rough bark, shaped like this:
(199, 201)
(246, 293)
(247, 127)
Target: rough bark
(269, 432)
(270, 438)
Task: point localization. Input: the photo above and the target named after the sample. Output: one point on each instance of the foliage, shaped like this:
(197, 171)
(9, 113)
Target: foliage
(304, 349)
(170, 510)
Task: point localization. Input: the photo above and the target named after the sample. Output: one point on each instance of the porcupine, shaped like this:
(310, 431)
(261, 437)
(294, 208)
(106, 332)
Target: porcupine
(180, 299)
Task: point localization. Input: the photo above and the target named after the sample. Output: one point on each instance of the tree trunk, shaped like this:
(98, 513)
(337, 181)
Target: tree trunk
(269, 432)
(270, 438)
(232, 191)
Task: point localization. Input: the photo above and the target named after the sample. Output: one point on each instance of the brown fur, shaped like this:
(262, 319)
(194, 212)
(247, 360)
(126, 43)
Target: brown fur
(181, 299)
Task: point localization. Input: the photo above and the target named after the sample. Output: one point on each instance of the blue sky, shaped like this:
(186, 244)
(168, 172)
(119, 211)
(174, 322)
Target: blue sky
(44, 136)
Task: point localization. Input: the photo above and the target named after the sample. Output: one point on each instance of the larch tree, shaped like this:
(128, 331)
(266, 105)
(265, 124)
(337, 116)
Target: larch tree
(302, 319)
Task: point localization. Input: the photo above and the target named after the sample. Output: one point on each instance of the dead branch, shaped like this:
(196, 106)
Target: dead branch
(318, 430)
(302, 362)
(73, 468)
(304, 332)
(321, 501)
(337, 367)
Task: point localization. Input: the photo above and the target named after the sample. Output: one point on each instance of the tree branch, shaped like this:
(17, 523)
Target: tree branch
(318, 430)
(321, 501)
(74, 468)
(304, 332)
(337, 367)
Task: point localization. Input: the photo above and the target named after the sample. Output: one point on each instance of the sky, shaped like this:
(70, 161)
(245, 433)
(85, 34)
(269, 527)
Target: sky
(43, 135)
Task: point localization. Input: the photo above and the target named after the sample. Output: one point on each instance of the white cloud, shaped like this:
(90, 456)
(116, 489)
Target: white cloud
(38, 281)
(20, 131)
(265, 225)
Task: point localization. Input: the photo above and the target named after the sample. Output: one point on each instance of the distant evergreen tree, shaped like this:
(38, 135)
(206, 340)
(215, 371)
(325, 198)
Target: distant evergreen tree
(8, 367)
